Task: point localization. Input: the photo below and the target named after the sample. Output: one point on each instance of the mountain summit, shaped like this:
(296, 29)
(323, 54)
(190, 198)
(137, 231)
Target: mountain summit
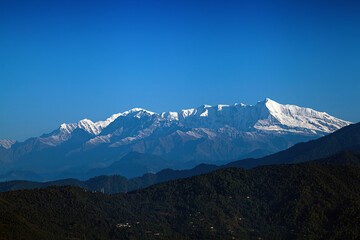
(266, 115)
(203, 134)
(6, 143)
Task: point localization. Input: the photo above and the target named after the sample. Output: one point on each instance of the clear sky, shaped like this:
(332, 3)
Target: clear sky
(62, 61)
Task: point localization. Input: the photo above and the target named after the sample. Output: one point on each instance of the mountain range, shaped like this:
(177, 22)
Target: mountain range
(207, 134)
(312, 192)
(341, 147)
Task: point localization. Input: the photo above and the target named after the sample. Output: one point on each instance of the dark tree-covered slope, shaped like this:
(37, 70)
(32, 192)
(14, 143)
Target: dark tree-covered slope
(117, 184)
(114, 183)
(347, 138)
(349, 158)
(299, 201)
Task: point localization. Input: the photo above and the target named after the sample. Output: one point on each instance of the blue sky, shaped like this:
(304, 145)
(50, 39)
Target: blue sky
(62, 61)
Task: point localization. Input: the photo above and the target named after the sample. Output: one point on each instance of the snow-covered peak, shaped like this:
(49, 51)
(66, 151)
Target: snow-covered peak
(67, 128)
(138, 112)
(96, 128)
(293, 118)
(220, 106)
(104, 124)
(6, 143)
(274, 106)
(86, 121)
(266, 115)
(187, 112)
(239, 104)
(85, 124)
(89, 126)
(170, 116)
(205, 113)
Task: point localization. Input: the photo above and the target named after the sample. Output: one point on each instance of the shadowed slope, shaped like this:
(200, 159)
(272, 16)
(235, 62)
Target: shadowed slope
(308, 200)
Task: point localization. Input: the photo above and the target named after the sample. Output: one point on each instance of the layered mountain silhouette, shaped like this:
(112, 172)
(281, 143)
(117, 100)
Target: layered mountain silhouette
(315, 199)
(310, 200)
(208, 134)
(347, 138)
(341, 147)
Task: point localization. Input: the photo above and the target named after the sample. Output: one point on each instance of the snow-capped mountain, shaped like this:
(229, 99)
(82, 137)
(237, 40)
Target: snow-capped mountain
(64, 132)
(6, 143)
(207, 133)
(265, 116)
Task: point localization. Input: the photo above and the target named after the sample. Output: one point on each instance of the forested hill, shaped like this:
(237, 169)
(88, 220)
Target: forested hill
(114, 183)
(117, 184)
(299, 201)
(347, 138)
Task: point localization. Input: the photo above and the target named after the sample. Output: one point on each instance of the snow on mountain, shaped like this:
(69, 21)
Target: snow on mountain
(203, 134)
(137, 123)
(65, 131)
(170, 116)
(292, 118)
(266, 116)
(104, 124)
(138, 112)
(6, 143)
